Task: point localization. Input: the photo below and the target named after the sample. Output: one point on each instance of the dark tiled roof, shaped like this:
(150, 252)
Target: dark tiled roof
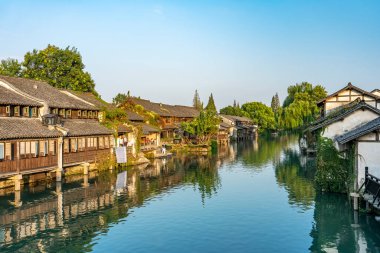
(338, 115)
(9, 97)
(132, 116)
(47, 93)
(124, 129)
(82, 127)
(236, 118)
(14, 128)
(360, 131)
(349, 86)
(147, 129)
(166, 110)
(224, 125)
(91, 98)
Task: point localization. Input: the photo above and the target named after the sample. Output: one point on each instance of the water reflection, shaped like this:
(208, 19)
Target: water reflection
(70, 216)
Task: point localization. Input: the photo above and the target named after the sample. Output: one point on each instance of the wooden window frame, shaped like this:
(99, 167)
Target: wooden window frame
(16, 110)
(34, 111)
(25, 111)
(2, 153)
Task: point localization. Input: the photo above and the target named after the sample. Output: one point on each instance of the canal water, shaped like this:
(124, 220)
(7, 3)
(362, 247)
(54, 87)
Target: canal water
(250, 197)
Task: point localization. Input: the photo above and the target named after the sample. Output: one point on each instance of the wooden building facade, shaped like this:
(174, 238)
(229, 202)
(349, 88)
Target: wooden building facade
(43, 129)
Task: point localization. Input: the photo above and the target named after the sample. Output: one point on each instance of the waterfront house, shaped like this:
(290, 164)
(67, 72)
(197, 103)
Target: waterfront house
(169, 116)
(346, 95)
(240, 128)
(48, 128)
(344, 119)
(367, 148)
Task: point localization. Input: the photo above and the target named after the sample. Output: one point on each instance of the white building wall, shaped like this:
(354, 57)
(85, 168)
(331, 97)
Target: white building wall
(350, 122)
(368, 156)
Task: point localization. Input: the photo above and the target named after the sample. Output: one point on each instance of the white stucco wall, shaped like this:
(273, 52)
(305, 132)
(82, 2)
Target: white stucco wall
(368, 156)
(350, 122)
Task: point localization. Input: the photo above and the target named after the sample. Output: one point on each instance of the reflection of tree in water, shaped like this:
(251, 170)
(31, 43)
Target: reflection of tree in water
(297, 180)
(263, 151)
(202, 172)
(338, 229)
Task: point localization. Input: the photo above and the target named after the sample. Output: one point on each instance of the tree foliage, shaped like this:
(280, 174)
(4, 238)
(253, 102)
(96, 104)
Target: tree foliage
(300, 106)
(261, 114)
(197, 101)
(235, 111)
(119, 99)
(203, 127)
(10, 67)
(62, 68)
(211, 104)
(275, 104)
(334, 172)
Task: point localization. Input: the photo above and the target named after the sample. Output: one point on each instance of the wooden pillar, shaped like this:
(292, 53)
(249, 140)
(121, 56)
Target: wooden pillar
(59, 171)
(18, 180)
(86, 168)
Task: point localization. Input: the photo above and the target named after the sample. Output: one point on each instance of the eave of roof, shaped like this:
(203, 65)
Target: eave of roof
(329, 120)
(360, 131)
(349, 86)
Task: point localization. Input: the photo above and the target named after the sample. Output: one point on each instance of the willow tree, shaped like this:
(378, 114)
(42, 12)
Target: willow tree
(300, 106)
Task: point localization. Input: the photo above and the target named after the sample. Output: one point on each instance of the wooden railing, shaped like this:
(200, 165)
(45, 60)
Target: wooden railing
(371, 186)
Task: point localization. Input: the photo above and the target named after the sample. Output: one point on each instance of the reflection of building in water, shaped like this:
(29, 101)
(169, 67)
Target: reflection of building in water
(74, 212)
(338, 229)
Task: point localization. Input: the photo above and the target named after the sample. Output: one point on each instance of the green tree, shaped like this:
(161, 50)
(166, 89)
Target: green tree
(203, 127)
(261, 114)
(233, 110)
(275, 104)
(62, 68)
(10, 67)
(300, 106)
(120, 98)
(211, 104)
(197, 101)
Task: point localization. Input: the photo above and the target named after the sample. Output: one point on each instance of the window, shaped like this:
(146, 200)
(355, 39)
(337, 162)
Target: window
(106, 142)
(83, 143)
(90, 114)
(34, 149)
(43, 148)
(22, 149)
(84, 114)
(101, 142)
(73, 145)
(8, 110)
(2, 146)
(55, 111)
(34, 112)
(62, 112)
(95, 114)
(27, 148)
(79, 113)
(8, 151)
(68, 113)
(17, 111)
(52, 147)
(66, 146)
(25, 111)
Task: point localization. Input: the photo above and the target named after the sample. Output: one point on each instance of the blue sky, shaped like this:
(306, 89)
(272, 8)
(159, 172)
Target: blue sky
(243, 50)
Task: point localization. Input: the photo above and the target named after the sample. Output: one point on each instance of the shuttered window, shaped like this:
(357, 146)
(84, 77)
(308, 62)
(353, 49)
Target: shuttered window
(73, 144)
(106, 142)
(101, 142)
(52, 147)
(8, 151)
(27, 148)
(66, 146)
(34, 148)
